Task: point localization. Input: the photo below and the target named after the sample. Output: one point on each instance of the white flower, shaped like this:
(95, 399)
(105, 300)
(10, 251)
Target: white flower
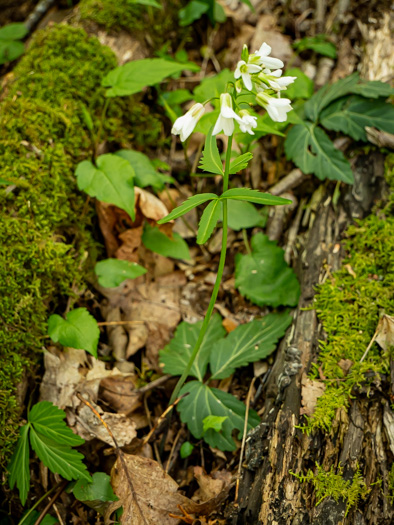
(275, 80)
(226, 117)
(247, 122)
(277, 107)
(246, 70)
(185, 125)
(261, 58)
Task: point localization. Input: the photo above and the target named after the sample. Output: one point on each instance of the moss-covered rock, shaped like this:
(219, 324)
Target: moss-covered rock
(349, 305)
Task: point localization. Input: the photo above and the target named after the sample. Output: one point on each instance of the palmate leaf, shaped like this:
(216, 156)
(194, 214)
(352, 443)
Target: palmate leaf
(111, 181)
(209, 219)
(264, 277)
(48, 420)
(247, 343)
(134, 76)
(60, 459)
(351, 115)
(210, 160)
(79, 330)
(373, 89)
(113, 272)
(19, 465)
(204, 401)
(240, 163)
(256, 196)
(189, 204)
(176, 354)
(313, 152)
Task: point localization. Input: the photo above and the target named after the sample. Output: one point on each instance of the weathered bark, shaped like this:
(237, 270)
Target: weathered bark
(269, 493)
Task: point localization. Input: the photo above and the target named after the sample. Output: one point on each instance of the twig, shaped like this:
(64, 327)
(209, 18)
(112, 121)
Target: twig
(375, 335)
(119, 453)
(114, 323)
(162, 418)
(61, 522)
(244, 438)
(51, 502)
(169, 461)
(157, 452)
(24, 519)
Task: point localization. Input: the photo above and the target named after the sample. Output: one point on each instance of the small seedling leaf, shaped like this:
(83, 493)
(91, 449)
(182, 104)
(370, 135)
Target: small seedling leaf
(79, 330)
(175, 356)
(98, 488)
(264, 277)
(113, 272)
(204, 401)
(214, 422)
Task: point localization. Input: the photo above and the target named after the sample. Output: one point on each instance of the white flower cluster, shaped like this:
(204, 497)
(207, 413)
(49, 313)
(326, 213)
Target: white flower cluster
(258, 73)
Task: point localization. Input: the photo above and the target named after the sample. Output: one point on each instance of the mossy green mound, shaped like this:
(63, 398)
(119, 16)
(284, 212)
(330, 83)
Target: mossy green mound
(45, 224)
(349, 304)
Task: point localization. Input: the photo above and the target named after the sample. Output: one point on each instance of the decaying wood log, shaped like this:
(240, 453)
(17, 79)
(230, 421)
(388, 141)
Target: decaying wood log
(269, 493)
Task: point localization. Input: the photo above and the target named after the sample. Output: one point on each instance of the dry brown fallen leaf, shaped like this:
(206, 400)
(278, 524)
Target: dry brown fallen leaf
(148, 495)
(385, 337)
(210, 485)
(310, 392)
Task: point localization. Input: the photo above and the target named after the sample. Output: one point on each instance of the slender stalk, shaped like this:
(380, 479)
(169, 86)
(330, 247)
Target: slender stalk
(216, 287)
(101, 127)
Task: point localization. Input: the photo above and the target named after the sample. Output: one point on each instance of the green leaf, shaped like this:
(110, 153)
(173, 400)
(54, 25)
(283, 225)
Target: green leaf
(302, 87)
(178, 96)
(87, 117)
(240, 163)
(10, 50)
(32, 518)
(212, 87)
(18, 467)
(175, 356)
(243, 215)
(144, 171)
(313, 152)
(98, 488)
(186, 450)
(15, 31)
(134, 76)
(111, 181)
(210, 160)
(151, 3)
(60, 459)
(158, 242)
(208, 221)
(218, 13)
(189, 204)
(264, 277)
(352, 114)
(193, 11)
(328, 94)
(48, 419)
(373, 89)
(79, 330)
(113, 272)
(207, 121)
(204, 401)
(247, 343)
(256, 196)
(319, 43)
(214, 422)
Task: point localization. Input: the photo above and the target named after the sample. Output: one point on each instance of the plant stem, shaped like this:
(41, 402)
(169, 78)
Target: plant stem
(100, 130)
(216, 287)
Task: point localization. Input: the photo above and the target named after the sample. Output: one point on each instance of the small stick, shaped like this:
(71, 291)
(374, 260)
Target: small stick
(375, 335)
(119, 453)
(51, 502)
(244, 438)
(169, 461)
(162, 417)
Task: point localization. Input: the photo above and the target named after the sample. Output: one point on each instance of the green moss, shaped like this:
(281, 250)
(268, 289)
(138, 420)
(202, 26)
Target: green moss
(332, 485)
(391, 485)
(44, 227)
(349, 307)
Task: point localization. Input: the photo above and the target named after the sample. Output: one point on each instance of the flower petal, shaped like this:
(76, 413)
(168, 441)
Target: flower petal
(271, 63)
(228, 126)
(247, 81)
(264, 50)
(218, 126)
(253, 68)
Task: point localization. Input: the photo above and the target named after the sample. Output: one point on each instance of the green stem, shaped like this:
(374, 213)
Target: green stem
(23, 520)
(246, 241)
(215, 290)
